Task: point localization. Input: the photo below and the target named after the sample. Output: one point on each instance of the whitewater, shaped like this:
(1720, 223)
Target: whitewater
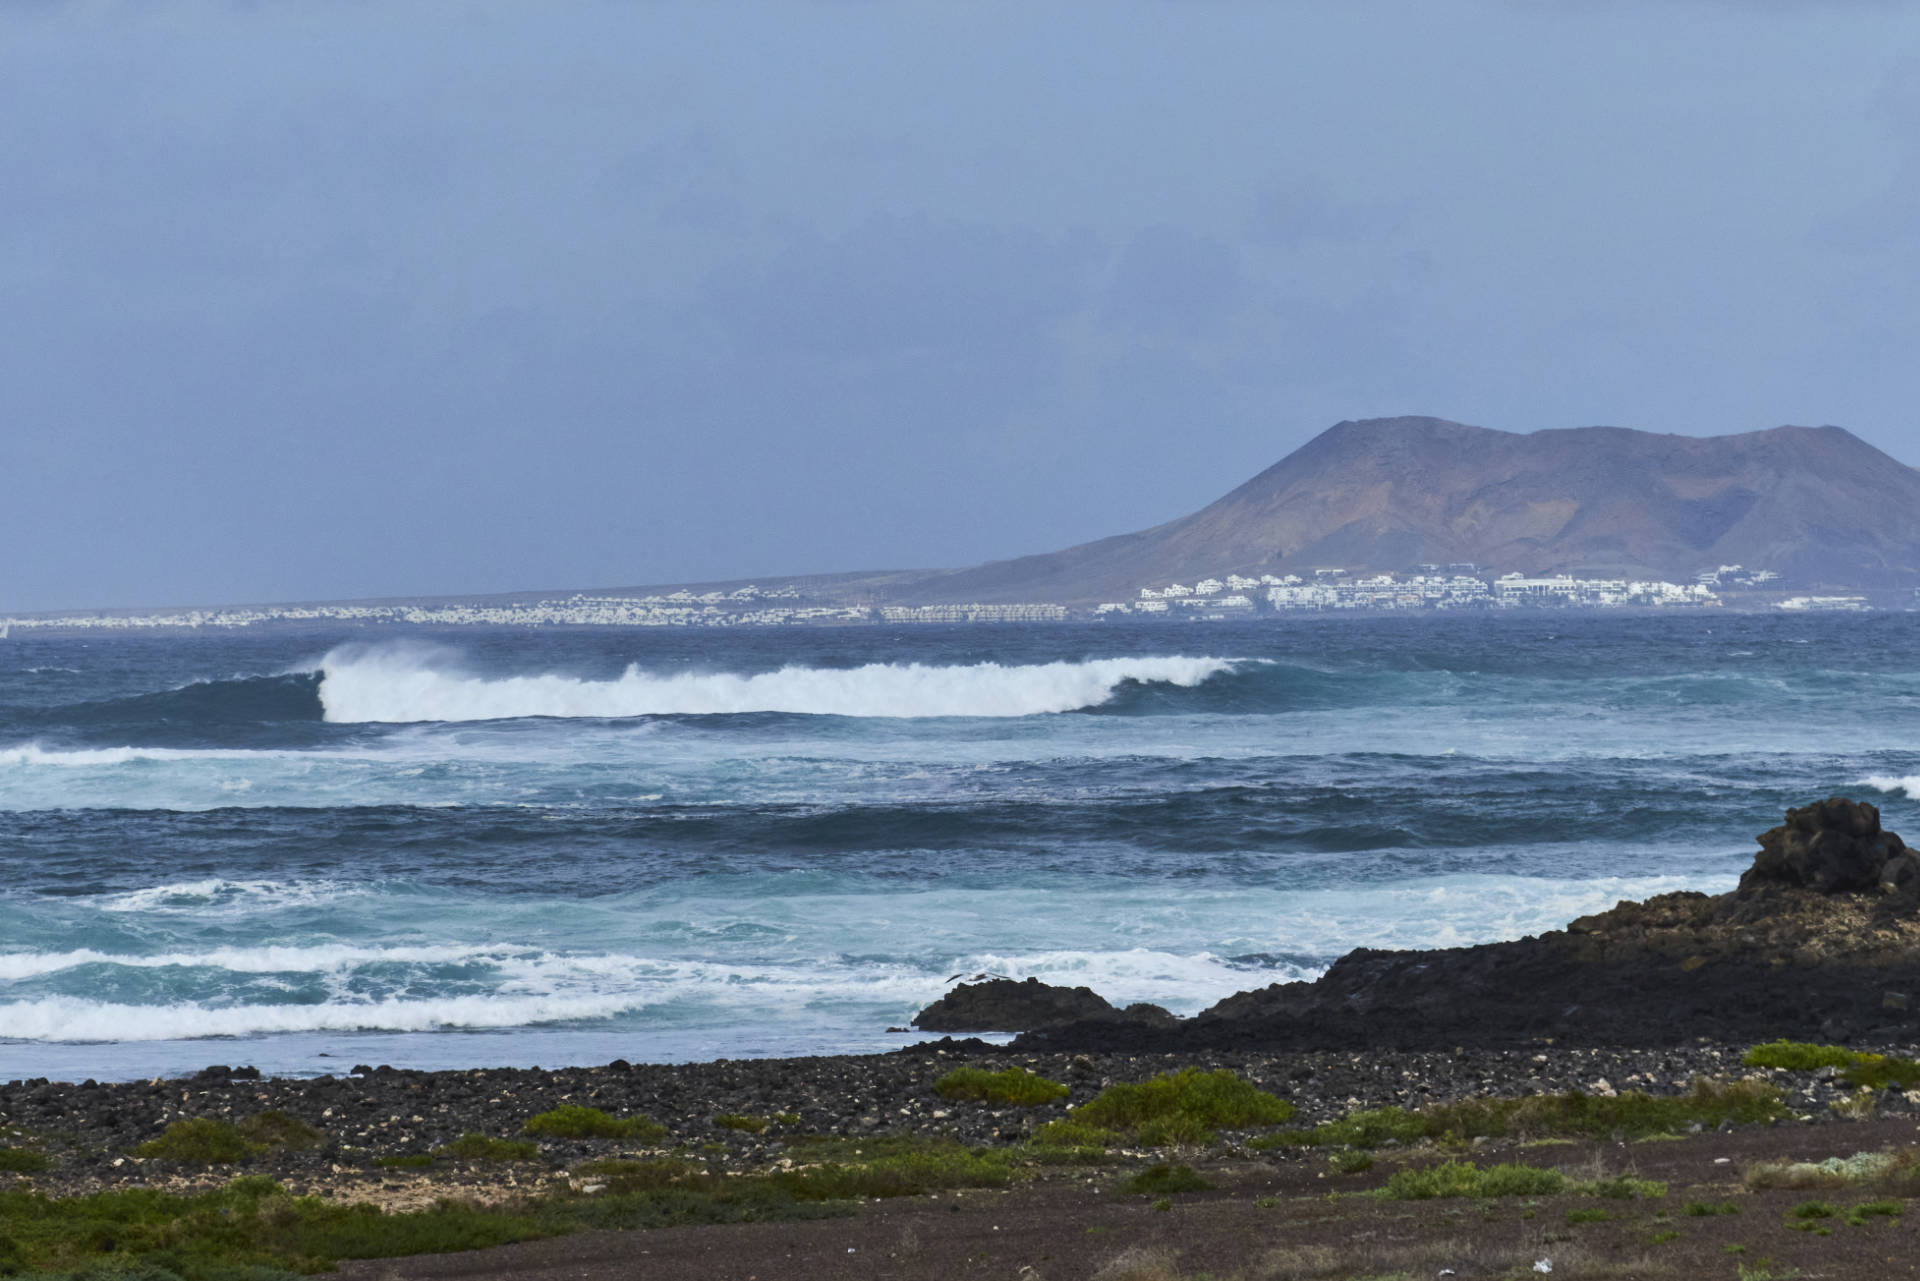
(402, 684)
(515, 846)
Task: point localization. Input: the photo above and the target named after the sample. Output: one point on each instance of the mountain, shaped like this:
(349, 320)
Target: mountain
(1816, 504)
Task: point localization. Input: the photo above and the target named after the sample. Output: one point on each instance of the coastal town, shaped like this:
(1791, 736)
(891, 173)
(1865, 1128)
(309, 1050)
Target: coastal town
(1210, 599)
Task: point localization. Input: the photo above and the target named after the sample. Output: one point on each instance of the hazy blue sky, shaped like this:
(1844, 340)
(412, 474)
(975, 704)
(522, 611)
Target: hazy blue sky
(315, 300)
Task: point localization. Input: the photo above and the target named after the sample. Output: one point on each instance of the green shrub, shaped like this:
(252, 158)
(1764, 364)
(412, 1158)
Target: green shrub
(1074, 1133)
(203, 1140)
(743, 1122)
(1588, 1216)
(1866, 1210)
(1797, 1056)
(1703, 1209)
(1465, 1179)
(22, 1161)
(404, 1161)
(1882, 1072)
(1874, 1071)
(643, 1176)
(474, 1146)
(1014, 1087)
(1184, 1107)
(278, 1130)
(1163, 1180)
(904, 1170)
(1351, 1162)
(208, 1140)
(572, 1121)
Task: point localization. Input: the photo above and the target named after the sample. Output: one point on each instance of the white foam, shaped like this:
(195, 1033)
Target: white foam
(406, 685)
(1908, 785)
(32, 754)
(222, 895)
(322, 959)
(1183, 982)
(60, 1018)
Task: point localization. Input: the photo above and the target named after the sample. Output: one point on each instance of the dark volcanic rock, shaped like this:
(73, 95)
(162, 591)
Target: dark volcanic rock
(1778, 957)
(1831, 845)
(1002, 1005)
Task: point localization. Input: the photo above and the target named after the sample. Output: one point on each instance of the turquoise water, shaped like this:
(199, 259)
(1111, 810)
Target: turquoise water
(518, 846)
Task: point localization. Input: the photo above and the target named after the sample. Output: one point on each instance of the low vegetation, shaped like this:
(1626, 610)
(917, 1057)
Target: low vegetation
(1075, 1133)
(838, 1169)
(1575, 1114)
(474, 1146)
(23, 1161)
(1465, 1179)
(1706, 1209)
(1163, 1180)
(1187, 1106)
(252, 1230)
(1014, 1087)
(572, 1121)
(403, 1161)
(1862, 1168)
(206, 1140)
(1856, 1067)
(1867, 1211)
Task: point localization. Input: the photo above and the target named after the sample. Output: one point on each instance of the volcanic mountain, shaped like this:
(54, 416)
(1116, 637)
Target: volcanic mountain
(1816, 504)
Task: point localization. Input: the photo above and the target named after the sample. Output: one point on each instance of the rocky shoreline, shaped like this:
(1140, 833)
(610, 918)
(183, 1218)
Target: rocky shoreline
(1821, 941)
(90, 1129)
(1818, 943)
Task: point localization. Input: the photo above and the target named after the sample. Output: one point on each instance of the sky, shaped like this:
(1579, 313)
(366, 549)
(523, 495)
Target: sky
(341, 298)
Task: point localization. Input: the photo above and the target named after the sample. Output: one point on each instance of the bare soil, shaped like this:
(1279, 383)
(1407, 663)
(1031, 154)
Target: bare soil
(1288, 1216)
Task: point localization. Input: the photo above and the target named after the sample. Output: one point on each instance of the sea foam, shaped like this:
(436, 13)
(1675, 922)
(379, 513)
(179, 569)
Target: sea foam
(63, 1018)
(402, 685)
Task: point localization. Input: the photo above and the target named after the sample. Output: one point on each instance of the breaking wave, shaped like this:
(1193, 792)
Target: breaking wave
(398, 685)
(64, 1018)
(221, 896)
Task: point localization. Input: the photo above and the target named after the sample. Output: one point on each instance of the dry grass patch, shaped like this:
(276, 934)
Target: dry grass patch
(1836, 1171)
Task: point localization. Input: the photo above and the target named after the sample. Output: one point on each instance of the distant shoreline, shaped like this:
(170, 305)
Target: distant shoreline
(23, 626)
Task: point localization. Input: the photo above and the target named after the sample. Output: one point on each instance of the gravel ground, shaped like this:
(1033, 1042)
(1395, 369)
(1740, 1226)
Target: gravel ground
(90, 1128)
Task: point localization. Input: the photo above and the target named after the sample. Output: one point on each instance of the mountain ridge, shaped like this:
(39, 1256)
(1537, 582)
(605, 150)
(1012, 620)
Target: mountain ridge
(1817, 504)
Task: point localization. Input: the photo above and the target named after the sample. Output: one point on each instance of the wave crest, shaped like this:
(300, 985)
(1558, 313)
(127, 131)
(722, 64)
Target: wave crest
(401, 686)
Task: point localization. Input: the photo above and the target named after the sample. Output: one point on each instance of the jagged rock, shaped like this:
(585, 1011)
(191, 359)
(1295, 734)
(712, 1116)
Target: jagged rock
(1829, 846)
(1824, 925)
(1002, 1005)
(1153, 1015)
(1901, 875)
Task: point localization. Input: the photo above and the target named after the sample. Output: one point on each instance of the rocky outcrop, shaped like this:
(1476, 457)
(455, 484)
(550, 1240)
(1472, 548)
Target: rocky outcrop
(1002, 1005)
(1820, 941)
(1832, 845)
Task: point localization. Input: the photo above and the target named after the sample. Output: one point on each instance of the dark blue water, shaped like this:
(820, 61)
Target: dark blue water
(493, 845)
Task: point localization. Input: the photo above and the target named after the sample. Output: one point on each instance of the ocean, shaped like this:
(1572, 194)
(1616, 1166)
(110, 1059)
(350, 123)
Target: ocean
(307, 849)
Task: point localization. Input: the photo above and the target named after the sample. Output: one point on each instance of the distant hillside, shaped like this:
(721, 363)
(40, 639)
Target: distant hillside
(1817, 504)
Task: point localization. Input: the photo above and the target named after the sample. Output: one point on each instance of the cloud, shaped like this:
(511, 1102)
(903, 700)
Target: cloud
(1175, 282)
(895, 285)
